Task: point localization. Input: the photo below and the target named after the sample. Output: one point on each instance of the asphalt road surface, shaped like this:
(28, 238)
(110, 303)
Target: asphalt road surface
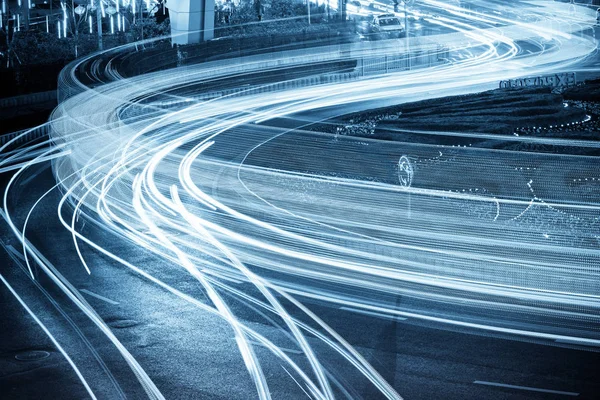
(191, 354)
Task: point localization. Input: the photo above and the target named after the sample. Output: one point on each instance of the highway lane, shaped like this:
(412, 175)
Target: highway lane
(422, 361)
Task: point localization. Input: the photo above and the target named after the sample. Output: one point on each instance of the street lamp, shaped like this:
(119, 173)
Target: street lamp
(79, 10)
(110, 10)
(99, 11)
(407, 3)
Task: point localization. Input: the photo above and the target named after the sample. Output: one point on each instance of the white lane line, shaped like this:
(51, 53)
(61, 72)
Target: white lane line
(98, 296)
(373, 313)
(34, 175)
(16, 253)
(280, 348)
(577, 342)
(531, 389)
(297, 383)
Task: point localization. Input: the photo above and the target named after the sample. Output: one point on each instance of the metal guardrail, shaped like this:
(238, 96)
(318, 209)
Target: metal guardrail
(400, 62)
(23, 138)
(27, 99)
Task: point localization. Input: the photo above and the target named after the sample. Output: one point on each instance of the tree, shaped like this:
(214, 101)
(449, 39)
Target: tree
(259, 8)
(286, 9)
(146, 28)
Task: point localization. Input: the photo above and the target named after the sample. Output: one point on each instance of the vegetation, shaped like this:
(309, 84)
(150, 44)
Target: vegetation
(148, 28)
(30, 60)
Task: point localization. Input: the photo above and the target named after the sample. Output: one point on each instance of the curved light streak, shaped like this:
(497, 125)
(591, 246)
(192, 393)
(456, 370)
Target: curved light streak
(196, 180)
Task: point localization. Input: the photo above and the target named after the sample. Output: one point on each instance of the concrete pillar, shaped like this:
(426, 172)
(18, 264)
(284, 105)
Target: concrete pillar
(192, 21)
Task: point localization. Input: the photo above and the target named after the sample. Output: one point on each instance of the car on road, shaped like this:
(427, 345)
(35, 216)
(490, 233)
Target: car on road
(383, 26)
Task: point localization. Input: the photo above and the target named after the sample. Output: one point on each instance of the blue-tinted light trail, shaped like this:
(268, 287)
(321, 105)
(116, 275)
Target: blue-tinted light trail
(502, 242)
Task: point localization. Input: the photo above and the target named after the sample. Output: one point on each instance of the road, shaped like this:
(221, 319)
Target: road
(420, 360)
(204, 246)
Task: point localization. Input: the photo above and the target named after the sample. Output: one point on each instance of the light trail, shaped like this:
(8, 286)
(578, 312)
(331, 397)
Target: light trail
(227, 188)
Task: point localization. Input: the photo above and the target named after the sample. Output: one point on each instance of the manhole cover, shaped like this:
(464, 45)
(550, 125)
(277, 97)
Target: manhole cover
(33, 355)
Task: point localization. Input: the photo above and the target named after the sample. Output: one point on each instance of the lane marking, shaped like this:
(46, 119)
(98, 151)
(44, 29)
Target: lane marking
(15, 252)
(98, 296)
(531, 389)
(35, 174)
(285, 350)
(577, 342)
(373, 313)
(297, 383)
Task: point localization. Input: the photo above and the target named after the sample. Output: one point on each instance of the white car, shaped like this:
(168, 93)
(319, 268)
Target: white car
(388, 25)
(382, 26)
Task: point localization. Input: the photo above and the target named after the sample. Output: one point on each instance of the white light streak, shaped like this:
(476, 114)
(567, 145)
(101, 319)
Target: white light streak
(265, 216)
